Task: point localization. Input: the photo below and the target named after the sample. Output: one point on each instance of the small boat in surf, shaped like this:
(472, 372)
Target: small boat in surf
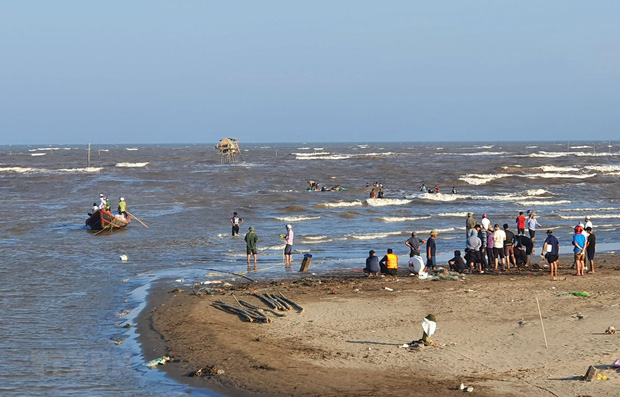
(103, 220)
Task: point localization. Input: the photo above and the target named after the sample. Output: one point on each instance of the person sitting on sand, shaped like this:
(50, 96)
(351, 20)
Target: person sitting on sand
(372, 265)
(389, 263)
(457, 263)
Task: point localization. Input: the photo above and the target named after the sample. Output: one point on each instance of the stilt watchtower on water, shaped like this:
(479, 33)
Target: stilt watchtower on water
(229, 149)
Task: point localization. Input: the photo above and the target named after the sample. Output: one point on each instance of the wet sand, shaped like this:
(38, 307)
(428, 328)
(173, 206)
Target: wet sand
(348, 341)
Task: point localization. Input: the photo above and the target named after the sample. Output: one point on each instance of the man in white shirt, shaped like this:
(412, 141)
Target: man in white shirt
(499, 236)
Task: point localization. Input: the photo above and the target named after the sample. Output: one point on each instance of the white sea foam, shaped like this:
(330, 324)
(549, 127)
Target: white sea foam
(593, 217)
(81, 170)
(320, 156)
(537, 192)
(558, 175)
(550, 168)
(373, 236)
(441, 196)
(381, 202)
(589, 209)
(339, 204)
(132, 165)
(303, 148)
(38, 154)
(299, 218)
(531, 147)
(604, 168)
(362, 146)
(391, 219)
(453, 214)
(531, 203)
(545, 154)
(131, 149)
(316, 238)
(580, 147)
(477, 154)
(19, 170)
(481, 179)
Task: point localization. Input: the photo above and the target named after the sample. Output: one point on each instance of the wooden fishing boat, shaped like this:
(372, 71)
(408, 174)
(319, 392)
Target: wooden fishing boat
(103, 219)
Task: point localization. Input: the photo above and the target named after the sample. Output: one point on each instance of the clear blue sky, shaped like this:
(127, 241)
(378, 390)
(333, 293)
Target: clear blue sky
(195, 71)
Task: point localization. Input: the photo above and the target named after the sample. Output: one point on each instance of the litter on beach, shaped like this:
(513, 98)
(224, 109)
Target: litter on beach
(158, 361)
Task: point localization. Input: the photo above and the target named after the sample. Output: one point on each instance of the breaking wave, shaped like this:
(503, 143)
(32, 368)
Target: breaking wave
(132, 165)
(381, 202)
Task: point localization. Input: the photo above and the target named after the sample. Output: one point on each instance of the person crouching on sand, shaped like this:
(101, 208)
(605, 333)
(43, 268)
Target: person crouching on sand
(389, 263)
(372, 265)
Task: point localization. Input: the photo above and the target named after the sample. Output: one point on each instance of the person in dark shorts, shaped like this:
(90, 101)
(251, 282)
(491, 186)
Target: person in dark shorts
(250, 244)
(236, 222)
(551, 252)
(431, 251)
(509, 246)
(590, 247)
(457, 263)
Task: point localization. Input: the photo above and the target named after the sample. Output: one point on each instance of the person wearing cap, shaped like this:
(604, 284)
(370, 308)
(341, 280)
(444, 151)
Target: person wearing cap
(102, 201)
(590, 247)
(588, 223)
(551, 252)
(389, 263)
(250, 243)
(521, 224)
(235, 221)
(288, 248)
(485, 222)
(470, 223)
(414, 243)
(372, 265)
(579, 245)
(431, 252)
(122, 207)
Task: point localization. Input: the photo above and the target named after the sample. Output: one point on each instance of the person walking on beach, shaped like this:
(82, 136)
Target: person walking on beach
(431, 251)
(579, 245)
(372, 265)
(551, 252)
(590, 247)
(470, 223)
(532, 223)
(236, 222)
(521, 224)
(250, 244)
(288, 248)
(509, 246)
(389, 263)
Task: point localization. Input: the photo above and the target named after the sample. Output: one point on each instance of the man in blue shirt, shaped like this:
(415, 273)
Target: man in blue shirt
(551, 251)
(579, 244)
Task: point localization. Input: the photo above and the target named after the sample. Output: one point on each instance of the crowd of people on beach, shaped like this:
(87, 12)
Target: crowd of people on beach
(491, 248)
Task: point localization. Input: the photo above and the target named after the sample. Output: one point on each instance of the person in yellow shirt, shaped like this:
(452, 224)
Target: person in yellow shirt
(122, 207)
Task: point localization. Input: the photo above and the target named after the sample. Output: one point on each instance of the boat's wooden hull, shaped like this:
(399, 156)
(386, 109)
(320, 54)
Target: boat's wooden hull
(103, 219)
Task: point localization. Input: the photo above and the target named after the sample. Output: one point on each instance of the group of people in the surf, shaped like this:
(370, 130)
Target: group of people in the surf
(316, 187)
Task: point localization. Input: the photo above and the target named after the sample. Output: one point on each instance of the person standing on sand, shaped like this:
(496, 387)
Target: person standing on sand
(372, 265)
(532, 223)
(521, 224)
(588, 223)
(288, 248)
(499, 237)
(414, 243)
(470, 223)
(579, 244)
(431, 252)
(482, 235)
(389, 263)
(590, 247)
(509, 247)
(473, 250)
(250, 244)
(236, 222)
(485, 222)
(551, 251)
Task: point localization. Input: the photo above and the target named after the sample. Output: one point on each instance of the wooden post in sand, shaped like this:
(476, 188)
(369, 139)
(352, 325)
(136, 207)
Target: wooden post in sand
(305, 264)
(541, 323)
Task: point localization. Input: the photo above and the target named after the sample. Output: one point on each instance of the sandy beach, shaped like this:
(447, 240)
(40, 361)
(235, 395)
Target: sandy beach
(349, 341)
